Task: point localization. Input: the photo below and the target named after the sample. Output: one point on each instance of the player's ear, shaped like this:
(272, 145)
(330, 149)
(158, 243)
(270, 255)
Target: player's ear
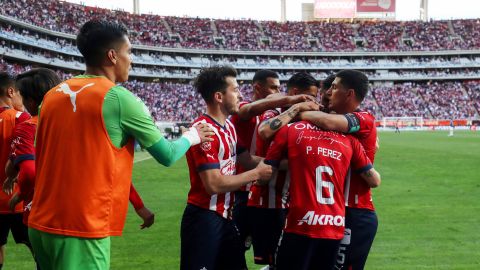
(217, 96)
(112, 56)
(11, 92)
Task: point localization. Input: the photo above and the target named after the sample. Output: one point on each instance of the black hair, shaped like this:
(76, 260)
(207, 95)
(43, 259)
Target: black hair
(302, 81)
(262, 75)
(96, 37)
(213, 79)
(6, 81)
(356, 80)
(327, 83)
(35, 83)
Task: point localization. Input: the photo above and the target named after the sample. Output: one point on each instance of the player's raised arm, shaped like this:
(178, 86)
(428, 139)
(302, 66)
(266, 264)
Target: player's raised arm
(273, 101)
(268, 128)
(326, 121)
(138, 123)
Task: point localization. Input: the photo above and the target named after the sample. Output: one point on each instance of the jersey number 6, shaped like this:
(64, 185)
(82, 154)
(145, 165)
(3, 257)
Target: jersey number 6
(320, 184)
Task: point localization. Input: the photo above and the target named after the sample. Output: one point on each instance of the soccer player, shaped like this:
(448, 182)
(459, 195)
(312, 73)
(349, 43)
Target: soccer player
(209, 238)
(345, 96)
(451, 128)
(318, 163)
(33, 85)
(267, 205)
(11, 114)
(265, 83)
(84, 154)
(306, 85)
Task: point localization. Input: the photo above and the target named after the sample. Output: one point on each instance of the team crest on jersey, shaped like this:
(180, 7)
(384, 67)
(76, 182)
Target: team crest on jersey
(206, 146)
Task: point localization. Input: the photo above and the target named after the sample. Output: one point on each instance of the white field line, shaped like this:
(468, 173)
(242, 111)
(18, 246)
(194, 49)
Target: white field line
(142, 159)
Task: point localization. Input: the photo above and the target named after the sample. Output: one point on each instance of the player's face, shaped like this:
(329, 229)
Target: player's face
(271, 86)
(325, 99)
(124, 60)
(231, 97)
(310, 91)
(338, 96)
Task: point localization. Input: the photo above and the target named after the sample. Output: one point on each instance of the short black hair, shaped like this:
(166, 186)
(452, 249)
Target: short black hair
(213, 79)
(327, 83)
(356, 80)
(262, 75)
(96, 37)
(35, 83)
(302, 81)
(6, 80)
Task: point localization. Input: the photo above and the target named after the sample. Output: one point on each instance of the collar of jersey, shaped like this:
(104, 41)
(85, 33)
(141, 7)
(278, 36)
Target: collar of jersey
(215, 121)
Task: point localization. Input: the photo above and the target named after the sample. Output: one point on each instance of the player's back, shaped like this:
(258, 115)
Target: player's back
(318, 162)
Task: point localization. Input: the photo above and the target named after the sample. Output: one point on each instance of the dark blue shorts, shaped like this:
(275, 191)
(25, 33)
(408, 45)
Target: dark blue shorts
(301, 252)
(209, 241)
(14, 223)
(266, 226)
(360, 229)
(239, 216)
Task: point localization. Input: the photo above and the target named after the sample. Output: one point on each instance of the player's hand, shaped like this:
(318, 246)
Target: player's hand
(13, 202)
(147, 216)
(8, 185)
(308, 106)
(204, 131)
(264, 171)
(300, 98)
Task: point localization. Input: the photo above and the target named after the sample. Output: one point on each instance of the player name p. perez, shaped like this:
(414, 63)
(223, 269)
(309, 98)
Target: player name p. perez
(311, 218)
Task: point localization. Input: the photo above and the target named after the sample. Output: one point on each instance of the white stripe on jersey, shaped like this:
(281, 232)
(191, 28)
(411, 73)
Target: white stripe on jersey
(347, 186)
(286, 186)
(271, 190)
(226, 205)
(213, 202)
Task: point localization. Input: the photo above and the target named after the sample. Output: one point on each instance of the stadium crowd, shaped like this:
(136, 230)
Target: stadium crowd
(437, 100)
(201, 33)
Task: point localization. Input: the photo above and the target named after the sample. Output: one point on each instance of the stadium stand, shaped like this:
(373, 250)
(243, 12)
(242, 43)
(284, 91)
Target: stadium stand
(439, 79)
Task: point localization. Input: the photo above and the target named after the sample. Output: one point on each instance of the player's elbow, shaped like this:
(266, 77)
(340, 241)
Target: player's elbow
(263, 133)
(211, 188)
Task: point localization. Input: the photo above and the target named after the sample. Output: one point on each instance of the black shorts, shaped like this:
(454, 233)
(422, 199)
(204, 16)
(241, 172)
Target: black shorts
(266, 226)
(301, 252)
(239, 216)
(14, 223)
(209, 241)
(360, 229)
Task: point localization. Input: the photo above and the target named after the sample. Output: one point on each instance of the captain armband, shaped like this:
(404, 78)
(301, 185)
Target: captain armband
(353, 123)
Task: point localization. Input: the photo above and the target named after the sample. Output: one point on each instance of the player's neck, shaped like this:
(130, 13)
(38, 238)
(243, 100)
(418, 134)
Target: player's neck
(101, 71)
(349, 108)
(217, 114)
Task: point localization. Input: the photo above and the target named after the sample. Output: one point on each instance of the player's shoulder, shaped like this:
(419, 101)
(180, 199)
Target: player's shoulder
(364, 116)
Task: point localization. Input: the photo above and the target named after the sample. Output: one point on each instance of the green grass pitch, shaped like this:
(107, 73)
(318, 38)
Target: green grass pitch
(428, 208)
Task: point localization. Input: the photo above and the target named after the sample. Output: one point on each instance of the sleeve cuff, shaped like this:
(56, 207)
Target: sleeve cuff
(273, 163)
(364, 169)
(208, 166)
(21, 158)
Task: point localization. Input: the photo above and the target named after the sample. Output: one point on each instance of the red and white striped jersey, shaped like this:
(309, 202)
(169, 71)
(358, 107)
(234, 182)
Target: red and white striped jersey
(218, 154)
(247, 131)
(275, 194)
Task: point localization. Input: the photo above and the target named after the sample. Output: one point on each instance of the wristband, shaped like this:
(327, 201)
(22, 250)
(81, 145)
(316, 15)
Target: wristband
(192, 136)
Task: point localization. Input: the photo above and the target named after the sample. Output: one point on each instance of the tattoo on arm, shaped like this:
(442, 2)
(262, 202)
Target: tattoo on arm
(275, 124)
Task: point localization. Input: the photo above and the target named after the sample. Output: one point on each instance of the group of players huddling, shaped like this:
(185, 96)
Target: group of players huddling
(286, 173)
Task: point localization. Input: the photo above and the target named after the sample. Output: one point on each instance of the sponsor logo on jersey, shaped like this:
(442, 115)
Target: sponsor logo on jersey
(312, 219)
(65, 88)
(228, 168)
